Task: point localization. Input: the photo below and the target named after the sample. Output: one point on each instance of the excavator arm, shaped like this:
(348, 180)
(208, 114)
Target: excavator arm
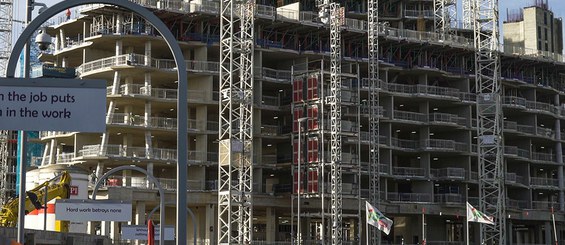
(35, 199)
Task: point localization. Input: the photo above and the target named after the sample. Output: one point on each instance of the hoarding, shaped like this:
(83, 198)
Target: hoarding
(52, 104)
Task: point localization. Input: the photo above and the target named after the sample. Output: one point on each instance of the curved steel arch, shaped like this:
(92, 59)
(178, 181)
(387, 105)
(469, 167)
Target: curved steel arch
(150, 177)
(182, 110)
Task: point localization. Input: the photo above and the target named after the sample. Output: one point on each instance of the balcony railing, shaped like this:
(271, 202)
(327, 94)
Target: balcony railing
(547, 182)
(408, 172)
(449, 173)
(408, 197)
(449, 198)
(410, 116)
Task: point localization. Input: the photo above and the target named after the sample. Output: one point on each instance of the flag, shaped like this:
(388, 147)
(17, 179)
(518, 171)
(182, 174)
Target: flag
(377, 219)
(474, 215)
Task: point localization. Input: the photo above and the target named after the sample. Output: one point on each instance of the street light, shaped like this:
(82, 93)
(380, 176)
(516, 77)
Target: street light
(299, 232)
(182, 109)
(22, 141)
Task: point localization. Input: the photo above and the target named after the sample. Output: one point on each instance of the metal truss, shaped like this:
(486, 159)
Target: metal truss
(336, 21)
(445, 16)
(235, 171)
(6, 24)
(490, 119)
(467, 14)
(4, 167)
(374, 174)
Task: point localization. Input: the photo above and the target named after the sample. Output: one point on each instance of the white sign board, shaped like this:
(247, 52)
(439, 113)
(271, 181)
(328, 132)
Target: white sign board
(92, 210)
(50, 104)
(139, 232)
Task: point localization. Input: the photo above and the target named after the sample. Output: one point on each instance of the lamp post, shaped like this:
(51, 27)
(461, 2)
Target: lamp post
(299, 232)
(182, 109)
(22, 142)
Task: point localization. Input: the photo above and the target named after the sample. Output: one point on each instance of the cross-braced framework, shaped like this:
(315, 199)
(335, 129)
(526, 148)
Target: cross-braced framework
(489, 118)
(336, 17)
(467, 14)
(445, 16)
(235, 173)
(374, 174)
(6, 25)
(4, 166)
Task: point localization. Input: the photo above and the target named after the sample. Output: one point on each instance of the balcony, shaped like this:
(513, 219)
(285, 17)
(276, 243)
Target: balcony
(410, 145)
(513, 101)
(418, 13)
(410, 116)
(448, 173)
(449, 198)
(544, 157)
(544, 182)
(445, 118)
(141, 153)
(408, 172)
(444, 145)
(408, 197)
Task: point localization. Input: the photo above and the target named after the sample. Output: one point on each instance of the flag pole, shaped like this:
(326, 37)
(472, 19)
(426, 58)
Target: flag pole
(554, 229)
(467, 234)
(423, 227)
(366, 226)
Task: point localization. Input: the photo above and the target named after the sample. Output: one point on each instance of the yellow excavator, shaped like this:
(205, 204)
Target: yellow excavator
(35, 199)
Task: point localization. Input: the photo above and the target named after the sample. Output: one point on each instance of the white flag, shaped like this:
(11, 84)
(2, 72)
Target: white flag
(474, 215)
(377, 219)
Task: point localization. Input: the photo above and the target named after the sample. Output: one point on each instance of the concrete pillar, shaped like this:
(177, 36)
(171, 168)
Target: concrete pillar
(63, 39)
(115, 231)
(126, 178)
(549, 233)
(99, 169)
(210, 227)
(559, 156)
(147, 60)
(105, 228)
(139, 215)
(65, 62)
(52, 147)
(119, 24)
(271, 229)
(119, 49)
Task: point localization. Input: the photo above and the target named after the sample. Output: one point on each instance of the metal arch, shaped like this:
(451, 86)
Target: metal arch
(152, 178)
(374, 173)
(490, 140)
(182, 110)
(235, 170)
(191, 216)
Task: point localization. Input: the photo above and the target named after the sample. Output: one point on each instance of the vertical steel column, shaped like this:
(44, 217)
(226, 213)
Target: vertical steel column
(4, 167)
(235, 173)
(467, 14)
(336, 17)
(374, 174)
(490, 120)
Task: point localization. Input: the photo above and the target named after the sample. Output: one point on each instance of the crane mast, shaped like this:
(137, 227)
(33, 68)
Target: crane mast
(336, 16)
(6, 25)
(235, 171)
(490, 119)
(445, 15)
(467, 14)
(374, 174)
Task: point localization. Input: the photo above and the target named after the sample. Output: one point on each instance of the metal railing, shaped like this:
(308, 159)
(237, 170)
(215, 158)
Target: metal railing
(408, 172)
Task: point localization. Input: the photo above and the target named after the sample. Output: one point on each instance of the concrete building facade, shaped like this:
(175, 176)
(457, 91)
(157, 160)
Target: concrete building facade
(534, 28)
(427, 121)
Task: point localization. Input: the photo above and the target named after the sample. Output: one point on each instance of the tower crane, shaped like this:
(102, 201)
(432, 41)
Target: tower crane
(6, 25)
(374, 174)
(490, 119)
(235, 171)
(445, 14)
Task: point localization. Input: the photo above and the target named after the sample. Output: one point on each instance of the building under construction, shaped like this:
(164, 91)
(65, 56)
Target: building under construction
(316, 124)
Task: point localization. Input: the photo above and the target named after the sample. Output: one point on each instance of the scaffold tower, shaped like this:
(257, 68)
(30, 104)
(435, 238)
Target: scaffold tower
(445, 16)
(374, 174)
(6, 24)
(4, 166)
(490, 119)
(235, 173)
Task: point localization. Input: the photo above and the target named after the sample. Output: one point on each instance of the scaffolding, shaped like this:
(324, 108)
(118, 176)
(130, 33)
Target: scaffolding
(235, 171)
(490, 139)
(373, 76)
